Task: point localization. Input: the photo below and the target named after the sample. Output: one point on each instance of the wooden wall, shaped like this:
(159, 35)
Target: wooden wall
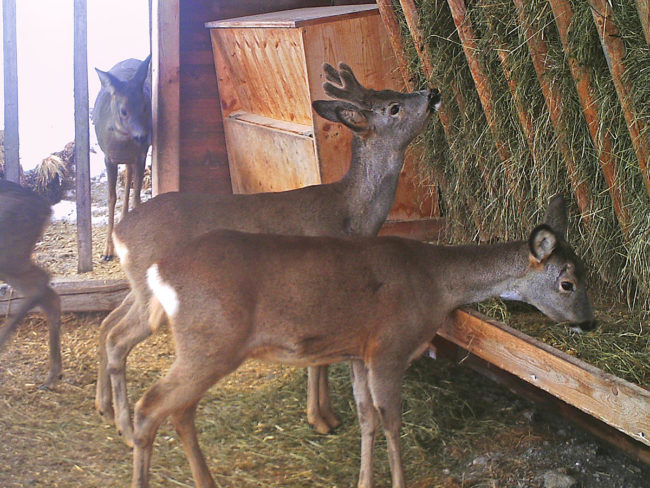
(202, 161)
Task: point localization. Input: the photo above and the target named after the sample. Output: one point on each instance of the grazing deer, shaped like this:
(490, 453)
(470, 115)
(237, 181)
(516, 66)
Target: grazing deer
(23, 216)
(383, 123)
(375, 301)
(122, 118)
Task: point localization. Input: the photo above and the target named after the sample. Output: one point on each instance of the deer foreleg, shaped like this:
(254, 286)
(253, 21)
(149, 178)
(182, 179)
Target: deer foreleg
(367, 421)
(111, 181)
(324, 399)
(314, 416)
(127, 190)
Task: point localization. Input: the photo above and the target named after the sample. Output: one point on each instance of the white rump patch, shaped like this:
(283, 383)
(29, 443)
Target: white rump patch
(165, 294)
(120, 249)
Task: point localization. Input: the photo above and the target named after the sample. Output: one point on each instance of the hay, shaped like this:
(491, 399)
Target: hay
(505, 199)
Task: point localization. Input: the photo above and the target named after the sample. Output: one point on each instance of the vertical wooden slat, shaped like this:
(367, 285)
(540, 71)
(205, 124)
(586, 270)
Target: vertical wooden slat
(468, 41)
(602, 139)
(82, 138)
(539, 53)
(643, 7)
(394, 35)
(165, 92)
(615, 52)
(10, 52)
(413, 21)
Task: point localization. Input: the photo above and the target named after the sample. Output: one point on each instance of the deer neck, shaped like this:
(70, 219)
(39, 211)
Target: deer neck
(371, 181)
(472, 274)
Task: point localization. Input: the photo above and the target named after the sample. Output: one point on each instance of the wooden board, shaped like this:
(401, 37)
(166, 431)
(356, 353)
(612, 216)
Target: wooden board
(267, 159)
(295, 18)
(262, 71)
(621, 404)
(76, 296)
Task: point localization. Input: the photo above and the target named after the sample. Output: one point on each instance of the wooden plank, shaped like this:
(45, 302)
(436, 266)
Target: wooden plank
(539, 53)
(602, 140)
(615, 53)
(10, 54)
(76, 296)
(82, 139)
(295, 18)
(544, 400)
(281, 125)
(262, 71)
(394, 35)
(265, 159)
(165, 92)
(623, 405)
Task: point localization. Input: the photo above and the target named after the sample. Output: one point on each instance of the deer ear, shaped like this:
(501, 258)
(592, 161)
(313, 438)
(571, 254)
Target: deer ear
(542, 242)
(342, 112)
(109, 82)
(556, 215)
(143, 70)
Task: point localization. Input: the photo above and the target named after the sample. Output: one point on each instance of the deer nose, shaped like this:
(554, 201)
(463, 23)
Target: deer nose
(434, 99)
(587, 325)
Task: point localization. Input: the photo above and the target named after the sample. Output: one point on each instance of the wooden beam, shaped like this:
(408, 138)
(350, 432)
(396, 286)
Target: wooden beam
(10, 53)
(544, 401)
(602, 140)
(621, 404)
(615, 53)
(643, 7)
(394, 35)
(165, 93)
(76, 296)
(82, 139)
(539, 54)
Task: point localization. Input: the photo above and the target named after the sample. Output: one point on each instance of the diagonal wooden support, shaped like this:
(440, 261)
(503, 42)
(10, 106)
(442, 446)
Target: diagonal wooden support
(602, 142)
(539, 53)
(392, 28)
(615, 53)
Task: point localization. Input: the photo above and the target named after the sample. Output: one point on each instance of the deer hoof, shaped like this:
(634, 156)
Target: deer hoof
(106, 257)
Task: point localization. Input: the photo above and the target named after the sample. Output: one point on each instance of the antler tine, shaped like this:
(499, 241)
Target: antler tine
(349, 87)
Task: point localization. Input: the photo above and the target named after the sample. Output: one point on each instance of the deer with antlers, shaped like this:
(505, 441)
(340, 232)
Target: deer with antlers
(383, 123)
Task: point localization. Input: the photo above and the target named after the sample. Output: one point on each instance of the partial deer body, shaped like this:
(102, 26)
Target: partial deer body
(383, 123)
(309, 301)
(122, 118)
(23, 216)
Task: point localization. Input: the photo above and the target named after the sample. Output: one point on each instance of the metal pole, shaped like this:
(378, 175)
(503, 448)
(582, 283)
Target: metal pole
(12, 161)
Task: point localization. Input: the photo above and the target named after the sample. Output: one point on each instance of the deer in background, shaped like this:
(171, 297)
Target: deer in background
(383, 123)
(23, 216)
(122, 118)
(308, 301)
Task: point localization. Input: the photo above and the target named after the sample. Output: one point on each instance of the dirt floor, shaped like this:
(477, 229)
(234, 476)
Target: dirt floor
(459, 429)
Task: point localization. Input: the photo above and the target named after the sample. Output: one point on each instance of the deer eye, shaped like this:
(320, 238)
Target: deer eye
(123, 112)
(394, 109)
(567, 286)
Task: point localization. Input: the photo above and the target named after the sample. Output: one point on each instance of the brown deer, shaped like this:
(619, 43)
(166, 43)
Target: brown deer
(23, 216)
(306, 301)
(122, 118)
(383, 123)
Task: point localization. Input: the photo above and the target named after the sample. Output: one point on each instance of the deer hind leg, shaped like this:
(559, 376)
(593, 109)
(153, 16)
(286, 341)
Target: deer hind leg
(177, 394)
(325, 401)
(111, 181)
(103, 392)
(33, 283)
(130, 331)
(368, 421)
(385, 383)
(138, 176)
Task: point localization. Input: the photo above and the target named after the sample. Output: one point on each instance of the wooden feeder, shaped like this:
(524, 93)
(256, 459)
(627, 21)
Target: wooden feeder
(269, 71)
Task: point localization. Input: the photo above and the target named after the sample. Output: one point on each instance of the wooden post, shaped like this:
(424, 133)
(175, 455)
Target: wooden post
(165, 92)
(467, 39)
(643, 7)
(392, 28)
(10, 52)
(615, 52)
(538, 52)
(602, 142)
(82, 138)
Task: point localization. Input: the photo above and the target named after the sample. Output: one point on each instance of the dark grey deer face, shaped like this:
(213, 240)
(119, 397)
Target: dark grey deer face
(391, 116)
(556, 280)
(130, 103)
